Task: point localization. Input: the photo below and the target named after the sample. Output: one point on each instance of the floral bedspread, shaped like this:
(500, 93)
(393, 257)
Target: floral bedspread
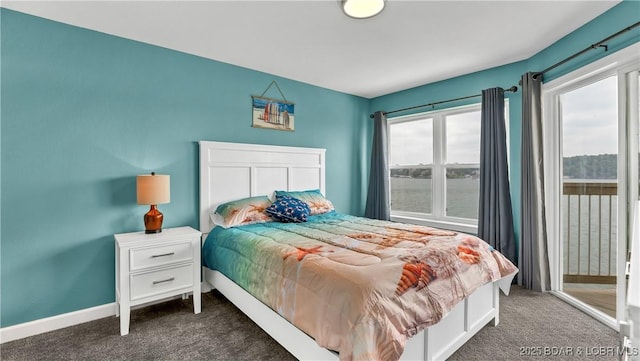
(358, 286)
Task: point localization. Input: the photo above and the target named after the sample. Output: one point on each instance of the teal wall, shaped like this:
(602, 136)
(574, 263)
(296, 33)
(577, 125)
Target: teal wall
(619, 17)
(624, 14)
(83, 113)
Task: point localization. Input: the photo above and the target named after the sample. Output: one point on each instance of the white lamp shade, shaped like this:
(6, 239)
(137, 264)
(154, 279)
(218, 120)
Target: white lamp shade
(153, 189)
(362, 9)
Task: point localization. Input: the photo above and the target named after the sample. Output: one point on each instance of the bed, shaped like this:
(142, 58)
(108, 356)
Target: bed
(231, 171)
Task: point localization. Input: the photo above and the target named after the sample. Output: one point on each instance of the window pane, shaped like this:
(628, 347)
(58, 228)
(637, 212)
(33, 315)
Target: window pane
(463, 191)
(411, 143)
(590, 123)
(411, 189)
(589, 151)
(463, 138)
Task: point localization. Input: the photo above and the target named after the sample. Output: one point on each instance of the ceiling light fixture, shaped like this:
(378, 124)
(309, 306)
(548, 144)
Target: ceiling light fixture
(362, 9)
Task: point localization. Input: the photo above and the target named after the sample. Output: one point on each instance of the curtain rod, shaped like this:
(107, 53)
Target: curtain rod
(599, 44)
(512, 89)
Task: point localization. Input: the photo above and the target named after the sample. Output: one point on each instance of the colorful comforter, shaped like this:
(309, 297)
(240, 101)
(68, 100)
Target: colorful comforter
(356, 285)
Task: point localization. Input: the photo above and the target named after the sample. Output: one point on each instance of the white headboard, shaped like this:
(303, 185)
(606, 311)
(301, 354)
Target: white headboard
(230, 171)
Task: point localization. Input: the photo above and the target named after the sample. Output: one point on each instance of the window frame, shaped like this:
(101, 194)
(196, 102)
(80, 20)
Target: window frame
(438, 216)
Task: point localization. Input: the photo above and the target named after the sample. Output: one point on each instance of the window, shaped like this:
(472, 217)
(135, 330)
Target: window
(411, 159)
(435, 166)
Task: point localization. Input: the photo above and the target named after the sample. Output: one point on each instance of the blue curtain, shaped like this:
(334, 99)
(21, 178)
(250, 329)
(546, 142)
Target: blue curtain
(495, 216)
(534, 258)
(378, 193)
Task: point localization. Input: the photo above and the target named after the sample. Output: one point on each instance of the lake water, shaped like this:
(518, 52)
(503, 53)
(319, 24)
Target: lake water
(414, 195)
(587, 238)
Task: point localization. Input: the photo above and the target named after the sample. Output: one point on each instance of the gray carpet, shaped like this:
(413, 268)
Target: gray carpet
(170, 331)
(166, 331)
(531, 321)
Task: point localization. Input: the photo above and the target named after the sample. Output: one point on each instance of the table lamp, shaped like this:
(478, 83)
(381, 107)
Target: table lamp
(153, 189)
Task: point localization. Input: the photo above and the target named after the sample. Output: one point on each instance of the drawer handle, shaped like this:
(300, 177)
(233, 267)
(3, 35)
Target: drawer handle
(163, 281)
(163, 255)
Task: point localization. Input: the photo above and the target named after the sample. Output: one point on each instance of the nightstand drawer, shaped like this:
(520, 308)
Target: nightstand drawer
(157, 256)
(161, 281)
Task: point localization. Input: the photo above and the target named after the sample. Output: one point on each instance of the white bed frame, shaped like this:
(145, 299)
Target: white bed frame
(231, 171)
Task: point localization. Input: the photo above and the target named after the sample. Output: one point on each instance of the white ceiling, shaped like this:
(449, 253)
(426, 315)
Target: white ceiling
(410, 43)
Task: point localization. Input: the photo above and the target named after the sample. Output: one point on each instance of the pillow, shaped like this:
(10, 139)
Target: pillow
(288, 209)
(242, 211)
(318, 204)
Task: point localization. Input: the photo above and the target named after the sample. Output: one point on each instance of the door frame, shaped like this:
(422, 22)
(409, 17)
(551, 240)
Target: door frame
(618, 63)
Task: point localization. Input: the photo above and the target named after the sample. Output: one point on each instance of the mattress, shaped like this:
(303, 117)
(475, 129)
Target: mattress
(358, 286)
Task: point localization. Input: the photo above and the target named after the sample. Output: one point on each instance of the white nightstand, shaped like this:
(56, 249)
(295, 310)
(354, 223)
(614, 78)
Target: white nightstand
(151, 267)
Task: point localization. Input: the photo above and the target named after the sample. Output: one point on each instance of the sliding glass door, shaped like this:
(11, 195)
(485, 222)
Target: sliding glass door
(591, 137)
(589, 202)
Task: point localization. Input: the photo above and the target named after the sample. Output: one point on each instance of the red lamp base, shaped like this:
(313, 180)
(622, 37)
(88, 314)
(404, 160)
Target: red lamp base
(153, 220)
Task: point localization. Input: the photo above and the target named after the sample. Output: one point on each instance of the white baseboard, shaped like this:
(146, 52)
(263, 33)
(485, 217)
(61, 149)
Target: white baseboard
(56, 322)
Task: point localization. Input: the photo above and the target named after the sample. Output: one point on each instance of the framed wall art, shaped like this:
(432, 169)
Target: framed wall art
(272, 113)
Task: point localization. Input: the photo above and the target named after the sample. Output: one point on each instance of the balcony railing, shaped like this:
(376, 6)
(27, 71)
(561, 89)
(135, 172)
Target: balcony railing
(590, 219)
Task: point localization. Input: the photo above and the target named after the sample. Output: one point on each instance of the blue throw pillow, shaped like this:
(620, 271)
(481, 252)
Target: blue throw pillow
(318, 204)
(288, 209)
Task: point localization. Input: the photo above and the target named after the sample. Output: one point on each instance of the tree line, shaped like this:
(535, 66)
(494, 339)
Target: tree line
(602, 166)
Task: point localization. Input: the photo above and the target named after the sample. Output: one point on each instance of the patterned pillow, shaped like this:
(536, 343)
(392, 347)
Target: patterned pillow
(316, 201)
(242, 211)
(288, 209)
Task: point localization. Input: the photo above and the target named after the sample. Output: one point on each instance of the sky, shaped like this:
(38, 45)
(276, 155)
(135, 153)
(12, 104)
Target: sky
(590, 127)
(463, 135)
(590, 119)
(411, 142)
